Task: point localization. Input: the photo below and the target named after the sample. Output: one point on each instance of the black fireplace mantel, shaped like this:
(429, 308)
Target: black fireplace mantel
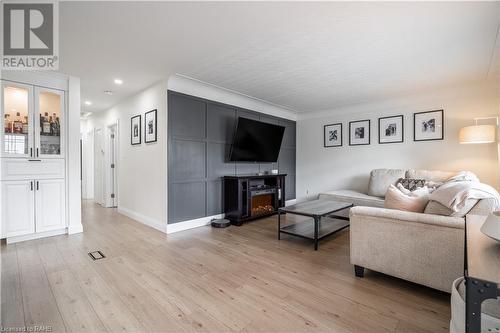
(249, 197)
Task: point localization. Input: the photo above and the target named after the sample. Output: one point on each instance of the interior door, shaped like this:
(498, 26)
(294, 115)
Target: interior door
(49, 123)
(16, 139)
(18, 208)
(49, 199)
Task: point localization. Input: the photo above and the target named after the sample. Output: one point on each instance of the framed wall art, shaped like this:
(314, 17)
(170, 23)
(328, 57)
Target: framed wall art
(135, 130)
(391, 129)
(150, 126)
(359, 132)
(332, 136)
(428, 125)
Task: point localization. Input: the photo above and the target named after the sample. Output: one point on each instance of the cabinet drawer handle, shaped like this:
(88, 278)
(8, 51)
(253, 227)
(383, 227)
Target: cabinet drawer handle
(37, 185)
(34, 160)
(31, 185)
(31, 152)
(37, 152)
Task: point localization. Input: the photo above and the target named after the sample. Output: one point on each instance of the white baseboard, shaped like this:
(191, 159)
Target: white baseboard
(150, 222)
(181, 226)
(290, 202)
(16, 239)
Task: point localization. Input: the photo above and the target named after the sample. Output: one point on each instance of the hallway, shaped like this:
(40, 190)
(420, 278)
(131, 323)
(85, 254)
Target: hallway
(206, 280)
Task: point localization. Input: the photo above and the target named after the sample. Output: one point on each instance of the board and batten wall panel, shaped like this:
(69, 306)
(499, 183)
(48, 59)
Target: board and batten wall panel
(200, 136)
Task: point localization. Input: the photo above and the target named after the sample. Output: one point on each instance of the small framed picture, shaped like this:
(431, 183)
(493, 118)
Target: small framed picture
(135, 130)
(428, 125)
(391, 129)
(150, 126)
(333, 135)
(359, 132)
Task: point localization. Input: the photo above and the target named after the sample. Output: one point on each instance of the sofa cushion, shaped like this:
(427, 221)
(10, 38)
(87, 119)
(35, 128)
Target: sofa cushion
(434, 207)
(411, 201)
(354, 197)
(381, 179)
(430, 175)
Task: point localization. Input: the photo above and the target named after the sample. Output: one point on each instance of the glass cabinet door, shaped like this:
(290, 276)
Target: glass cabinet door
(49, 116)
(17, 116)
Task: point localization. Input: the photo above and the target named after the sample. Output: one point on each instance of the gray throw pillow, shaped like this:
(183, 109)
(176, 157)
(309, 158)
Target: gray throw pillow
(412, 184)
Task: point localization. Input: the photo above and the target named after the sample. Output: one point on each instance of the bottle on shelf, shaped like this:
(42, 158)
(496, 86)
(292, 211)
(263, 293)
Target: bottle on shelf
(18, 124)
(53, 125)
(7, 123)
(46, 124)
(25, 125)
(58, 126)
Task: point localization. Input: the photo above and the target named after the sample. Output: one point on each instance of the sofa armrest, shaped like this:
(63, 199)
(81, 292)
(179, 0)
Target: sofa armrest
(422, 248)
(399, 215)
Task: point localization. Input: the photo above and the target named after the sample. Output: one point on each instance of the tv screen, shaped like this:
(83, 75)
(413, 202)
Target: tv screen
(256, 141)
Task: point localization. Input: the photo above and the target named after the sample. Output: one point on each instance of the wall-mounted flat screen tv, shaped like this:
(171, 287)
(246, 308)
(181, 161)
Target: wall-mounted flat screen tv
(256, 141)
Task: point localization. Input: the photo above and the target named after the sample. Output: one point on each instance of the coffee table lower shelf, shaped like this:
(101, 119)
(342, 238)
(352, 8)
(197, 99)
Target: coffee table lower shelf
(306, 229)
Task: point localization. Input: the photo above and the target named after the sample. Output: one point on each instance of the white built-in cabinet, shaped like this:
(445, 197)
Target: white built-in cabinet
(18, 208)
(32, 160)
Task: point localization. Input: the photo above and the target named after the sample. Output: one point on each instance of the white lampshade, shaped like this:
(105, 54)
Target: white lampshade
(477, 134)
(491, 227)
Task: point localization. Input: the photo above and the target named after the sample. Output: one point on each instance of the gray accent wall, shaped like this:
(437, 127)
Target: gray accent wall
(200, 133)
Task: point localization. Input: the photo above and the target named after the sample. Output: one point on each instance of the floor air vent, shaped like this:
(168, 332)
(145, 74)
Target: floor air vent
(96, 255)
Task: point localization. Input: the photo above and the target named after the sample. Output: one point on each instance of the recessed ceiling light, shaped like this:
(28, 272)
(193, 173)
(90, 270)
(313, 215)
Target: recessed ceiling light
(118, 81)
(88, 103)
(108, 92)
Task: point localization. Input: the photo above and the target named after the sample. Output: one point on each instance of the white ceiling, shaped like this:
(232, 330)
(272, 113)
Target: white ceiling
(303, 56)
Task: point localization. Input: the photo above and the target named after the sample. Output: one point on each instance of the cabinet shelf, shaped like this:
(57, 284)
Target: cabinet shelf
(16, 134)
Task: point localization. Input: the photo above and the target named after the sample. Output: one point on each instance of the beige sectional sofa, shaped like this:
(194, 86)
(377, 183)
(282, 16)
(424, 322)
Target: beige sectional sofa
(420, 247)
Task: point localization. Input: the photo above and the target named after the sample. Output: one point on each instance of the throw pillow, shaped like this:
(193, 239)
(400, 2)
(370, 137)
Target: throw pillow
(430, 175)
(413, 202)
(411, 184)
(380, 179)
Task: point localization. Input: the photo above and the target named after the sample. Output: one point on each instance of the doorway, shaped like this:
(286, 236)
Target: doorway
(112, 172)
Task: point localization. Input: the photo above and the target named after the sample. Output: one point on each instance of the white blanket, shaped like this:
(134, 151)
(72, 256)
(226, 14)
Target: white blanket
(455, 192)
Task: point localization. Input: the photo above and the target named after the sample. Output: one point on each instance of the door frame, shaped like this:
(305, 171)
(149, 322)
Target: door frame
(112, 157)
(99, 163)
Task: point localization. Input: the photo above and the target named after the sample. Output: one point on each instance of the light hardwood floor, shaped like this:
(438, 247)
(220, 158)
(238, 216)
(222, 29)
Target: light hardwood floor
(239, 279)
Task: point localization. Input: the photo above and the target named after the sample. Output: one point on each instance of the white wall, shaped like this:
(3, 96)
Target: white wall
(347, 167)
(87, 137)
(141, 168)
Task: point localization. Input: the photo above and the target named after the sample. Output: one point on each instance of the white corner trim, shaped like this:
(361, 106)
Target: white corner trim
(195, 87)
(150, 222)
(185, 225)
(75, 229)
(290, 202)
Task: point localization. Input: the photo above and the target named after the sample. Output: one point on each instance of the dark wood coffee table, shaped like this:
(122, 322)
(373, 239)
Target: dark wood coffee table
(325, 223)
